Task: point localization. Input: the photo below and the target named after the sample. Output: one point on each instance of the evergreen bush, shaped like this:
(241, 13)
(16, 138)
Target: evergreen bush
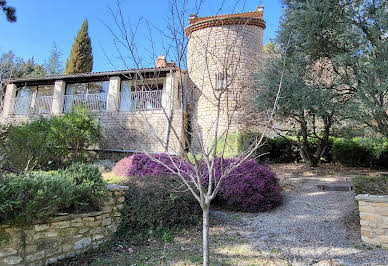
(366, 152)
(39, 196)
(27, 146)
(152, 202)
(50, 143)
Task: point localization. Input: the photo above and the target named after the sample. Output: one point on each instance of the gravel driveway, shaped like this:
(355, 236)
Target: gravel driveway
(311, 225)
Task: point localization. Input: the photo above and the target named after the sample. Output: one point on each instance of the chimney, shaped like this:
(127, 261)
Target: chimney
(161, 61)
(260, 8)
(192, 17)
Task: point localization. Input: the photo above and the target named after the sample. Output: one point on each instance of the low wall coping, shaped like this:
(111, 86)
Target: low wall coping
(115, 187)
(372, 198)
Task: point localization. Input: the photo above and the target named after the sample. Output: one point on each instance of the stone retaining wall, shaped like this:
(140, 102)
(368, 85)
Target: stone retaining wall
(62, 236)
(374, 219)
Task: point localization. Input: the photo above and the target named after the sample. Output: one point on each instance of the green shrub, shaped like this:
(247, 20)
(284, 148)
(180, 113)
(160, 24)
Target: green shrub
(366, 152)
(370, 185)
(74, 132)
(153, 203)
(41, 195)
(27, 147)
(90, 185)
(51, 143)
(274, 150)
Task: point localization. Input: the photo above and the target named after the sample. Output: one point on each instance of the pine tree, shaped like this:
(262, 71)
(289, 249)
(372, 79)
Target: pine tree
(32, 70)
(54, 64)
(81, 58)
(8, 10)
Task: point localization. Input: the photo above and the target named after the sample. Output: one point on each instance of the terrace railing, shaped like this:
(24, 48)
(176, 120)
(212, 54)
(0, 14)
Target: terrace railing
(93, 102)
(21, 105)
(43, 105)
(28, 105)
(141, 100)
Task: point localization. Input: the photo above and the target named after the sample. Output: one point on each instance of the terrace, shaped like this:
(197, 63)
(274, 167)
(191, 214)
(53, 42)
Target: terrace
(119, 91)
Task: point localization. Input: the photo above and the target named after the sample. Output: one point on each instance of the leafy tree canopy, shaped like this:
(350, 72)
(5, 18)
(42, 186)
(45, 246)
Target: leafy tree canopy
(323, 43)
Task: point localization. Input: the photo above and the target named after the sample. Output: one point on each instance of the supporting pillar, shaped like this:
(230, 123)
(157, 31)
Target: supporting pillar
(167, 104)
(58, 97)
(168, 91)
(113, 94)
(9, 94)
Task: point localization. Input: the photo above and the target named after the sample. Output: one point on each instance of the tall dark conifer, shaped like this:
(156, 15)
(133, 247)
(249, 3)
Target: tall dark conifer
(81, 58)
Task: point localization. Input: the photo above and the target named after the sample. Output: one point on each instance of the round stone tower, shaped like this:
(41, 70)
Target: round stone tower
(223, 52)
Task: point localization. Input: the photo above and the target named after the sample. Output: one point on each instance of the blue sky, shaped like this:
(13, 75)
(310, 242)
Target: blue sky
(41, 22)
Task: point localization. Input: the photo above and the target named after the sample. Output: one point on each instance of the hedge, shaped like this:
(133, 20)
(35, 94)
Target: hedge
(41, 195)
(364, 152)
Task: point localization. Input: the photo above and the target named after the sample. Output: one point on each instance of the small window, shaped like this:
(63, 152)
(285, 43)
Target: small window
(221, 81)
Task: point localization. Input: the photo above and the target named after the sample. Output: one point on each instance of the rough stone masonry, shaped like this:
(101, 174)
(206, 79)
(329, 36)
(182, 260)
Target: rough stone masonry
(374, 219)
(62, 236)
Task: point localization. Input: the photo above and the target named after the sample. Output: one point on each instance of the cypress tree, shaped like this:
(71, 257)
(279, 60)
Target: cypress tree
(81, 58)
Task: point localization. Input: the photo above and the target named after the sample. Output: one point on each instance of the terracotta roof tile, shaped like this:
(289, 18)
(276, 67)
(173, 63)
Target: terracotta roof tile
(247, 18)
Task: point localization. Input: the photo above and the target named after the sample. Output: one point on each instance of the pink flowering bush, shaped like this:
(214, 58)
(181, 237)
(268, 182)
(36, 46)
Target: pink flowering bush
(144, 165)
(250, 187)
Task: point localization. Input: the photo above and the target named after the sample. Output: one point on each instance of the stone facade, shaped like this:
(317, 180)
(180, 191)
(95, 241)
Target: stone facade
(374, 219)
(123, 130)
(63, 236)
(140, 131)
(223, 53)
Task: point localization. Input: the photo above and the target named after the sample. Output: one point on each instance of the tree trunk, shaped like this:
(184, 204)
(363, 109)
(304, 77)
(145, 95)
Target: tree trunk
(205, 235)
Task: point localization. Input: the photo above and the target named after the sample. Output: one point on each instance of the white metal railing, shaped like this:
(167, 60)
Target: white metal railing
(43, 105)
(27, 105)
(93, 102)
(141, 100)
(20, 105)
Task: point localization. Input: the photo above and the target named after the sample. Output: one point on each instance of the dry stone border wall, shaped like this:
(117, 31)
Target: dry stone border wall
(374, 219)
(62, 236)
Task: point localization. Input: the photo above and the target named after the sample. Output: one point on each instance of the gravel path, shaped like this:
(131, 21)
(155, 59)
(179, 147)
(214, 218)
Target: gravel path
(311, 226)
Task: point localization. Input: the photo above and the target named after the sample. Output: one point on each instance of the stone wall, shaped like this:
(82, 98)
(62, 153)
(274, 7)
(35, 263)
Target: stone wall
(140, 131)
(65, 236)
(374, 219)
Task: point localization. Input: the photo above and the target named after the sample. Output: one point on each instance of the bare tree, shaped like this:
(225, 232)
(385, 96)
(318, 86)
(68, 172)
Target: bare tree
(223, 96)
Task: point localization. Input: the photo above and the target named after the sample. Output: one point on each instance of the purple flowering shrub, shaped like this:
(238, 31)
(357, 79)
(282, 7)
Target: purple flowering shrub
(250, 187)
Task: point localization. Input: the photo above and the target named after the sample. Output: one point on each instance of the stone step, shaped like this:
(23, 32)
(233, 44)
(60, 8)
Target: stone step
(335, 187)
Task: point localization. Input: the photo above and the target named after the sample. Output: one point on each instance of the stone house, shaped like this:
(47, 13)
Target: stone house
(137, 107)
